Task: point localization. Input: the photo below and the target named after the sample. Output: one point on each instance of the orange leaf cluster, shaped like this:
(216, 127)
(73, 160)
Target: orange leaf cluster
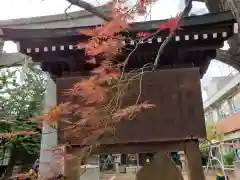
(53, 114)
(95, 109)
(170, 23)
(22, 176)
(106, 39)
(15, 133)
(142, 6)
(143, 3)
(143, 34)
(55, 111)
(125, 113)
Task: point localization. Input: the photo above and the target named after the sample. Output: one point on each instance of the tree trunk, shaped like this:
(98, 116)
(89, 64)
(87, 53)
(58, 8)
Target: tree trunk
(8, 173)
(232, 55)
(97, 11)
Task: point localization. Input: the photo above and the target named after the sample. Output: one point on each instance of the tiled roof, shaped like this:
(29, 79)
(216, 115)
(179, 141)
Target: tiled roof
(229, 124)
(49, 18)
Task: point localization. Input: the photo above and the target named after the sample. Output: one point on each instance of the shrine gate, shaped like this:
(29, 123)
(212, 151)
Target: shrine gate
(177, 123)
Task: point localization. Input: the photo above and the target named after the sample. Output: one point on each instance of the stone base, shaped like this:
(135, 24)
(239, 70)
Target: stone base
(237, 169)
(122, 169)
(133, 169)
(92, 172)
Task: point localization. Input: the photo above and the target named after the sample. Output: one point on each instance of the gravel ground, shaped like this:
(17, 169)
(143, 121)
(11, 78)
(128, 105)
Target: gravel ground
(132, 177)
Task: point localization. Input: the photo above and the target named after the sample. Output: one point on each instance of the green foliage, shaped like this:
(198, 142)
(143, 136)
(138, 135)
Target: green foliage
(204, 151)
(20, 101)
(229, 156)
(211, 131)
(176, 158)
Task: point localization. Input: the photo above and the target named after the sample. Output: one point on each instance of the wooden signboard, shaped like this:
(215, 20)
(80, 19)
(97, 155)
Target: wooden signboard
(178, 114)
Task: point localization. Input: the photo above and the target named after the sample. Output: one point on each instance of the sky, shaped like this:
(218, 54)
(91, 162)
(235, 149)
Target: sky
(11, 9)
(24, 8)
(162, 9)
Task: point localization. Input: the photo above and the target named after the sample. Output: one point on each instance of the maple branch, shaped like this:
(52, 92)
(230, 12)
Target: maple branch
(172, 32)
(90, 8)
(124, 64)
(140, 91)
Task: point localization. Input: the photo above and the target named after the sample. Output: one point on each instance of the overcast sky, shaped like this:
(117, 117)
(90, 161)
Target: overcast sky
(25, 8)
(11, 9)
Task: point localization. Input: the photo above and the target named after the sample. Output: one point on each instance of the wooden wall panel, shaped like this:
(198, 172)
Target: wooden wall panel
(178, 114)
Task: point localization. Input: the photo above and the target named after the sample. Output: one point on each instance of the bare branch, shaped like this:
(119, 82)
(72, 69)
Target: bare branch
(168, 39)
(90, 8)
(188, 8)
(65, 11)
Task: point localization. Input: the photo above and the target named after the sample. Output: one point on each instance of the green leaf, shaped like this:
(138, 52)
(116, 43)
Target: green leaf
(19, 102)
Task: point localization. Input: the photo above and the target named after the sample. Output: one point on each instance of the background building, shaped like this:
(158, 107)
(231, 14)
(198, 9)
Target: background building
(223, 105)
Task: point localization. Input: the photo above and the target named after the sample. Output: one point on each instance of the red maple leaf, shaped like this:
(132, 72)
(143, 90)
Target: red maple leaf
(144, 2)
(170, 24)
(143, 34)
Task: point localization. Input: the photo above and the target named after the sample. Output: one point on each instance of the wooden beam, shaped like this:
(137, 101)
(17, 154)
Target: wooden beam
(47, 49)
(203, 20)
(132, 148)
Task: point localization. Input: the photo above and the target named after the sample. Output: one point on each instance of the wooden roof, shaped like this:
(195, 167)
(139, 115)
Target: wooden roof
(65, 20)
(209, 26)
(195, 44)
(201, 20)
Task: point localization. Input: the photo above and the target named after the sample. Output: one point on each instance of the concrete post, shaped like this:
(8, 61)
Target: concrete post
(237, 169)
(47, 166)
(117, 160)
(117, 167)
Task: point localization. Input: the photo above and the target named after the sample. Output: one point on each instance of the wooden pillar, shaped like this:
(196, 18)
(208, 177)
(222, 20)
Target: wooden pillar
(142, 159)
(161, 167)
(123, 159)
(194, 163)
(72, 165)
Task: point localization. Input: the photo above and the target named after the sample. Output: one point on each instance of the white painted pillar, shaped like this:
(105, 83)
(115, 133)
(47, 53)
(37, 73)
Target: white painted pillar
(117, 160)
(48, 166)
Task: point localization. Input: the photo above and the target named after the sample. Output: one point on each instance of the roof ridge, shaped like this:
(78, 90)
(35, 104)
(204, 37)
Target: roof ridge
(50, 18)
